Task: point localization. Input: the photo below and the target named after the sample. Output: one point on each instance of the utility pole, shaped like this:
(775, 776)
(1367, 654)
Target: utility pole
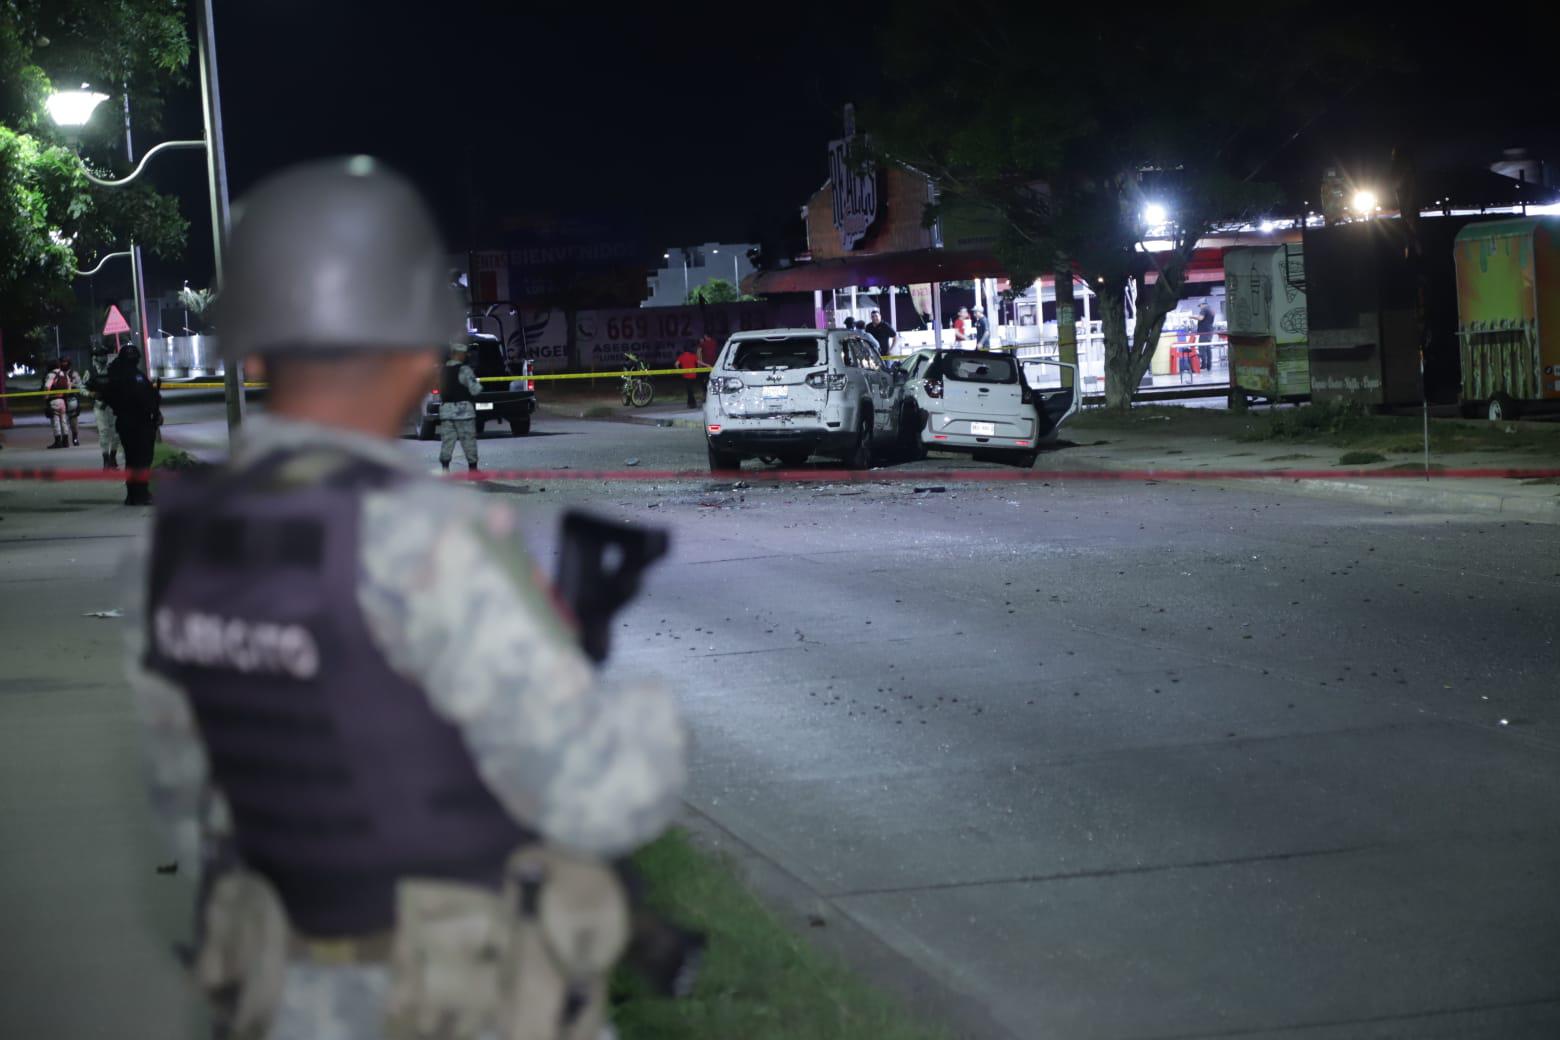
(137, 271)
(216, 175)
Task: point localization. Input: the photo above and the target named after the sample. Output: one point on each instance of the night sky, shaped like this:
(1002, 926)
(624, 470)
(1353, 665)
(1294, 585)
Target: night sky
(681, 125)
(675, 123)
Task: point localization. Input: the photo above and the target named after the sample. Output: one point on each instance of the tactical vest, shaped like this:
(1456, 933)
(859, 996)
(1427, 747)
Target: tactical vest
(453, 391)
(340, 777)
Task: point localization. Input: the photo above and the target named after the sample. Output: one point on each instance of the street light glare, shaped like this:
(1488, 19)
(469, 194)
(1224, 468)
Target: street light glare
(1154, 214)
(1365, 201)
(73, 107)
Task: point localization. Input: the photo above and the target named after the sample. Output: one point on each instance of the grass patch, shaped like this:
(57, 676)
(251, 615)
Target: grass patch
(1360, 458)
(600, 411)
(1294, 457)
(760, 981)
(1338, 425)
(1417, 467)
(166, 456)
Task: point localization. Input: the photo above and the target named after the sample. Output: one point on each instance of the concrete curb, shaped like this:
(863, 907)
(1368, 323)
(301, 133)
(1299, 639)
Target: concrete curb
(862, 950)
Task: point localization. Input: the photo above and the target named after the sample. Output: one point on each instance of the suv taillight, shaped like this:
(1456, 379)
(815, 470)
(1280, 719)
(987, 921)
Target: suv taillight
(817, 380)
(933, 387)
(530, 384)
(729, 385)
(836, 380)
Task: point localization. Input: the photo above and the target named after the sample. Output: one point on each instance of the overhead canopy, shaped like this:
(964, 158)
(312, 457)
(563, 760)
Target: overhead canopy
(909, 268)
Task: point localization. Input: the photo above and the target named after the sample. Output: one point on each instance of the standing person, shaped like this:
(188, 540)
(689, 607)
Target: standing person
(102, 414)
(458, 392)
(71, 380)
(54, 405)
(961, 326)
(688, 361)
(136, 416)
(981, 330)
(1205, 335)
(883, 332)
(709, 350)
(393, 705)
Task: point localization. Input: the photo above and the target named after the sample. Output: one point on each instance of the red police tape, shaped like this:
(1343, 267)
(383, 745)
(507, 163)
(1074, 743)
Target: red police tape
(836, 476)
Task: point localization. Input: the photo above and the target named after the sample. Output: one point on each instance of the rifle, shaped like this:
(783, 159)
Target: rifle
(599, 569)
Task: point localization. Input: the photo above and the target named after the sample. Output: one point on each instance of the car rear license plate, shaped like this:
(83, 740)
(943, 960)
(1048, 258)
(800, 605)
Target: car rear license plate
(484, 406)
(983, 429)
(775, 393)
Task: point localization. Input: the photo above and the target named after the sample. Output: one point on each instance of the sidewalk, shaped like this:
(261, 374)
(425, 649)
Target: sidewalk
(1156, 439)
(610, 408)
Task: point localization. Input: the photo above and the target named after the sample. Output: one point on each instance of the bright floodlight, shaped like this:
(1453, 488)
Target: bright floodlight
(1155, 214)
(1364, 201)
(1265, 227)
(73, 107)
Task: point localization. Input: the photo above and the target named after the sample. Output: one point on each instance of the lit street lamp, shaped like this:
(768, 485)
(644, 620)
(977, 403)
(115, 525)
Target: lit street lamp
(1155, 215)
(73, 108)
(1364, 202)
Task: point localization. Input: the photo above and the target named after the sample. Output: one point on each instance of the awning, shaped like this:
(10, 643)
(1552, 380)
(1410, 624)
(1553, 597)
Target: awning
(913, 268)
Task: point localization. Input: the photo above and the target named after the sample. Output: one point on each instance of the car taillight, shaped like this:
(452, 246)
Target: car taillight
(933, 387)
(713, 428)
(836, 380)
(436, 393)
(817, 380)
(731, 385)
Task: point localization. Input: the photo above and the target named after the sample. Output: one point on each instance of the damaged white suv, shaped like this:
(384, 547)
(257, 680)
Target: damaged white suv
(786, 394)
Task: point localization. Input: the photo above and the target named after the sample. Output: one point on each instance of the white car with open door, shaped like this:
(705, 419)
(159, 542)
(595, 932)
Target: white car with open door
(988, 403)
(787, 394)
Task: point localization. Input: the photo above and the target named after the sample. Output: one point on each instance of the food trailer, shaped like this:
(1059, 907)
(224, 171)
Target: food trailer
(1265, 310)
(1508, 316)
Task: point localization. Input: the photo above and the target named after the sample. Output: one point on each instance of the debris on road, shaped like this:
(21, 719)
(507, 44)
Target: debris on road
(937, 489)
(115, 613)
(631, 462)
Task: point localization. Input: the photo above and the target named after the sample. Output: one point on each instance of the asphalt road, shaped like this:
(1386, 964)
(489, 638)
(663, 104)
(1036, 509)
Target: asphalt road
(1097, 760)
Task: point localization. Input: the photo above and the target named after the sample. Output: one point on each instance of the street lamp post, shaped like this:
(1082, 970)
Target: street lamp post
(74, 108)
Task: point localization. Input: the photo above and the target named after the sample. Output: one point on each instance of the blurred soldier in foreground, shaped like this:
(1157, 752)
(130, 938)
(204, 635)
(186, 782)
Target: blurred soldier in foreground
(458, 391)
(359, 702)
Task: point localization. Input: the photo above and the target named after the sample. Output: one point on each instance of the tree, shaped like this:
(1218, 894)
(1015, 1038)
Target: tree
(52, 220)
(1065, 145)
(718, 290)
(197, 301)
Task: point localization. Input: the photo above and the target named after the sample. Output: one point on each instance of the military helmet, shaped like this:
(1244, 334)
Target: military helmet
(335, 255)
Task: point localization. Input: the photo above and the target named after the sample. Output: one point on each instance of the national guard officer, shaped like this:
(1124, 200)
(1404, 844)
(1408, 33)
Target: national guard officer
(102, 414)
(352, 683)
(458, 392)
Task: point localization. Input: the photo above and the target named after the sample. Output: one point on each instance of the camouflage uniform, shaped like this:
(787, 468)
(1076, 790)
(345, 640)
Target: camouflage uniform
(458, 420)
(102, 414)
(451, 598)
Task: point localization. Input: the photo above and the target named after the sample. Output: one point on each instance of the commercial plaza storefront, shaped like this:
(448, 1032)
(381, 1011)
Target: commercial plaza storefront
(869, 249)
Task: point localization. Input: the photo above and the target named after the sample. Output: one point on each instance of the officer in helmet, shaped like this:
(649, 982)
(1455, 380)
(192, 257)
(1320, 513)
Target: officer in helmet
(357, 700)
(458, 391)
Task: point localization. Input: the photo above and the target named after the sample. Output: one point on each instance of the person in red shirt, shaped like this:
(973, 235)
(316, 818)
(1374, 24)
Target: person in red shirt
(708, 348)
(688, 361)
